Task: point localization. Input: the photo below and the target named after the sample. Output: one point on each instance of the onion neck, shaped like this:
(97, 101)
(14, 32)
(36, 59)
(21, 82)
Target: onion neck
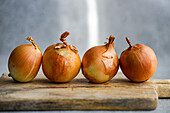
(63, 36)
(128, 41)
(32, 41)
(111, 39)
(65, 44)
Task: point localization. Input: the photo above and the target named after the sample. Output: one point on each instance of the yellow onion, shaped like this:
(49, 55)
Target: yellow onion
(100, 63)
(61, 62)
(24, 61)
(138, 62)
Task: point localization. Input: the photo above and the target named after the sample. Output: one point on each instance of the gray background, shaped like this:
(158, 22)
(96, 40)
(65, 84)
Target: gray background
(143, 21)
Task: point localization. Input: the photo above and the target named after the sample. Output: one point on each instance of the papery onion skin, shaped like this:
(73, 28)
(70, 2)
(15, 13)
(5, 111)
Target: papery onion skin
(97, 68)
(24, 62)
(138, 63)
(60, 64)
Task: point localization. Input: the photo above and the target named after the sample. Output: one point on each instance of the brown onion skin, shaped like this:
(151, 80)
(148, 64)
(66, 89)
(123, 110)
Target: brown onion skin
(24, 62)
(93, 67)
(60, 65)
(138, 63)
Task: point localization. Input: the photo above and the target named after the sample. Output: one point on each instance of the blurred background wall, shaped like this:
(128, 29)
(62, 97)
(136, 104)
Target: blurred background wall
(89, 23)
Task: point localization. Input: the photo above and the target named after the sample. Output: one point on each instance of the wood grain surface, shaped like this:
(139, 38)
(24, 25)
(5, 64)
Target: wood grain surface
(79, 94)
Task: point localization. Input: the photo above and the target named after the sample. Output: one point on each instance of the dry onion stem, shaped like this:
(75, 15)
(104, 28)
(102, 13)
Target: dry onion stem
(32, 41)
(62, 38)
(128, 41)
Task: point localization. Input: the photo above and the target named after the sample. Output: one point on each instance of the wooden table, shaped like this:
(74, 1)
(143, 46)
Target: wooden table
(79, 94)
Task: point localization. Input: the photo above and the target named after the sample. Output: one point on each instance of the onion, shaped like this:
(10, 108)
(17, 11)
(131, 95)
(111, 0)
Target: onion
(61, 62)
(100, 63)
(24, 61)
(138, 62)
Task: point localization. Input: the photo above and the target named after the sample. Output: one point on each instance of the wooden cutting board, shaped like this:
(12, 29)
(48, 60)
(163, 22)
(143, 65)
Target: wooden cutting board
(79, 94)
